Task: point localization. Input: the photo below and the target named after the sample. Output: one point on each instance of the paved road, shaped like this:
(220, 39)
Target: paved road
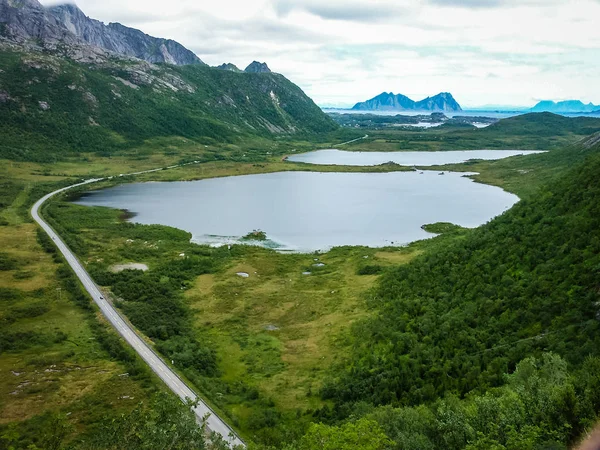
(214, 423)
(353, 140)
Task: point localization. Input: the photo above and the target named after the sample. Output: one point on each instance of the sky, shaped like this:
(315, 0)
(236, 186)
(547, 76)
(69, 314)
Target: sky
(485, 52)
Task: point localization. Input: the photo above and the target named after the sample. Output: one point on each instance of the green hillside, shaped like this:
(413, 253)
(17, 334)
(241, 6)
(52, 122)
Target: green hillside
(543, 125)
(460, 317)
(52, 106)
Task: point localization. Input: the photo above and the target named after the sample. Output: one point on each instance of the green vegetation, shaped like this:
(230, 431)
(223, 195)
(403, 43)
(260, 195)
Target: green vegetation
(256, 235)
(53, 107)
(260, 360)
(474, 339)
(56, 356)
(456, 320)
(536, 131)
(442, 227)
(273, 351)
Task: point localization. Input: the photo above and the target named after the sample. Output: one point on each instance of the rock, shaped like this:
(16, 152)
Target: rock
(67, 29)
(4, 97)
(120, 39)
(228, 66)
(90, 99)
(256, 67)
(391, 102)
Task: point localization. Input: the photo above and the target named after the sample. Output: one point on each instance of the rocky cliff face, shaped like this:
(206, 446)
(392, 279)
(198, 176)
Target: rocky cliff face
(443, 102)
(24, 20)
(121, 39)
(28, 22)
(256, 67)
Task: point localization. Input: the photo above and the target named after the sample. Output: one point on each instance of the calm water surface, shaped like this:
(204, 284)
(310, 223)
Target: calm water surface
(306, 211)
(345, 158)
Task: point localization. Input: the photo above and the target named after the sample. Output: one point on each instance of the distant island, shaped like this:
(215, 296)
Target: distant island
(443, 102)
(567, 106)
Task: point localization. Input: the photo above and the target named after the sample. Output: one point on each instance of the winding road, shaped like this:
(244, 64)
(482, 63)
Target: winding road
(213, 422)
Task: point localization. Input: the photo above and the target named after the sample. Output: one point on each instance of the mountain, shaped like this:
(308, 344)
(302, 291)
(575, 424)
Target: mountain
(60, 93)
(455, 319)
(120, 39)
(256, 67)
(52, 106)
(229, 66)
(27, 22)
(567, 106)
(443, 102)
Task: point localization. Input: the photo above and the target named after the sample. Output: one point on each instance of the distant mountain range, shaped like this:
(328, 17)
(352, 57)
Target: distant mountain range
(567, 106)
(443, 102)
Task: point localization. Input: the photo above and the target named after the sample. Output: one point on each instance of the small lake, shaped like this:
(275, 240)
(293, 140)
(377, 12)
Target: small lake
(424, 159)
(308, 211)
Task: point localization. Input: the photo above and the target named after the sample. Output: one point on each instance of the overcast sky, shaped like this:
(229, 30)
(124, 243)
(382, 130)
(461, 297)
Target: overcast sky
(501, 52)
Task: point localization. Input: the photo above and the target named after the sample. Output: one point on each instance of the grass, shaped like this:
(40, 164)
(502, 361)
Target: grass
(279, 328)
(276, 332)
(67, 370)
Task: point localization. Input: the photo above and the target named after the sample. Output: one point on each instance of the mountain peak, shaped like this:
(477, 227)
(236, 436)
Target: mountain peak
(122, 39)
(229, 66)
(257, 67)
(565, 106)
(27, 21)
(385, 101)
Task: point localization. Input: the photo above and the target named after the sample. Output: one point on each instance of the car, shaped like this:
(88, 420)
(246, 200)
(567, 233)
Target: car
(101, 297)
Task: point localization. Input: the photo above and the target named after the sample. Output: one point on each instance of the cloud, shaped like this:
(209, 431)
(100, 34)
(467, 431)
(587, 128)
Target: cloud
(345, 51)
(355, 11)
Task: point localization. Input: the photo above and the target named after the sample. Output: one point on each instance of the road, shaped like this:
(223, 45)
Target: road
(353, 140)
(214, 422)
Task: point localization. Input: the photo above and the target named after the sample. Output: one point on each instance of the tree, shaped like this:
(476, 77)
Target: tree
(364, 434)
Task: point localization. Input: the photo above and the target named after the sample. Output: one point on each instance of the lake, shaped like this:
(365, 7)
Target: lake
(308, 211)
(346, 158)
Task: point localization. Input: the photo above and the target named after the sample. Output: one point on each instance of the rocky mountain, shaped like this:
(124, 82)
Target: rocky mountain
(256, 67)
(229, 66)
(120, 39)
(25, 20)
(443, 102)
(52, 106)
(28, 22)
(567, 106)
(70, 84)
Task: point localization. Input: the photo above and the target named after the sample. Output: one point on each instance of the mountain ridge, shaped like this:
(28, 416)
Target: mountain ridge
(565, 106)
(27, 22)
(442, 102)
(121, 39)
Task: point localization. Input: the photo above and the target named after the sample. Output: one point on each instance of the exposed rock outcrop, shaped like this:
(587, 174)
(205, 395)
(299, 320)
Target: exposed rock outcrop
(257, 67)
(443, 102)
(120, 39)
(27, 22)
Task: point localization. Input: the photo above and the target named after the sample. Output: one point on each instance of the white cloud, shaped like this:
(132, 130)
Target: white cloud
(344, 51)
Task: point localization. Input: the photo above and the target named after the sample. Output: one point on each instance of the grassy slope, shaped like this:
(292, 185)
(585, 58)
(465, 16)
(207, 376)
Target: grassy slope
(457, 319)
(91, 110)
(51, 357)
(537, 131)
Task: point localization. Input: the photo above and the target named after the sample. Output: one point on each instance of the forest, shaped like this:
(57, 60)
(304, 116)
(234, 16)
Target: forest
(488, 338)
(457, 320)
